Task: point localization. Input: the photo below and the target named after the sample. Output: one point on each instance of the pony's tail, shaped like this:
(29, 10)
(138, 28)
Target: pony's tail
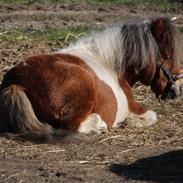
(18, 120)
(17, 115)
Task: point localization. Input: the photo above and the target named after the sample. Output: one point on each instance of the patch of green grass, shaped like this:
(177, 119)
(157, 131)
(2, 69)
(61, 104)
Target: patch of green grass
(166, 4)
(66, 34)
(29, 2)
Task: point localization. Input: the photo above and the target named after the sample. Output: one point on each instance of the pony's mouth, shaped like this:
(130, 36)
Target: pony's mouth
(173, 89)
(171, 94)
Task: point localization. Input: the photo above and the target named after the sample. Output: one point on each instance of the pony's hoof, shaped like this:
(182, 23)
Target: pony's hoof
(93, 123)
(147, 119)
(150, 117)
(99, 126)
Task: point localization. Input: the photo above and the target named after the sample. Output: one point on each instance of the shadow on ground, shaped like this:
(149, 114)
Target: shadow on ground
(175, 1)
(165, 168)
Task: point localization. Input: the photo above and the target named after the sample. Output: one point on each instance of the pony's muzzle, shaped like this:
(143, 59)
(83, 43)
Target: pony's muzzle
(176, 90)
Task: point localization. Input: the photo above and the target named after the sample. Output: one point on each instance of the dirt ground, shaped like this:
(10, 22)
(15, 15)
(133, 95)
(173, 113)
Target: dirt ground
(128, 154)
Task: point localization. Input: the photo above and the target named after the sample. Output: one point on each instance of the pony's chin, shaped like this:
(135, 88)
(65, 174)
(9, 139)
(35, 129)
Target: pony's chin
(171, 94)
(175, 92)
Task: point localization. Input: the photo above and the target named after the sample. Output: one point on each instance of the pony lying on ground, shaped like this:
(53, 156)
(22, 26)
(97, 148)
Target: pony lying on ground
(87, 86)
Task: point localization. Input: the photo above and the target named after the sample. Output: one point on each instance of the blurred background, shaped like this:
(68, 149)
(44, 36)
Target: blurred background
(52, 20)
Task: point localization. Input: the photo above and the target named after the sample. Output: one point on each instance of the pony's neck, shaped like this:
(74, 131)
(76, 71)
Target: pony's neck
(145, 76)
(130, 76)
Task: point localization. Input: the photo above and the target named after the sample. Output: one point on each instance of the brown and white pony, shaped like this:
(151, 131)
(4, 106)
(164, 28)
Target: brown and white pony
(87, 86)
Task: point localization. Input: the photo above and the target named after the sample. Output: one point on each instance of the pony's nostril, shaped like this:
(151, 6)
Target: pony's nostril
(177, 89)
(171, 94)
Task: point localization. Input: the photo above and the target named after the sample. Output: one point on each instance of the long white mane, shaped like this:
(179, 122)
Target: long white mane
(105, 46)
(130, 44)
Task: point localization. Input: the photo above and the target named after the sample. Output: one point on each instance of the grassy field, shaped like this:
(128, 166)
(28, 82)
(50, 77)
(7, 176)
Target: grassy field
(69, 33)
(66, 35)
(96, 2)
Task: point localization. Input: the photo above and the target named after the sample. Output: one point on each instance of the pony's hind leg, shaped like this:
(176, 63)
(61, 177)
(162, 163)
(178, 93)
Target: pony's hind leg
(93, 123)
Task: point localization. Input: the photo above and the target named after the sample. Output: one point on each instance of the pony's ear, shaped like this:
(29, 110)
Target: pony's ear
(163, 32)
(159, 25)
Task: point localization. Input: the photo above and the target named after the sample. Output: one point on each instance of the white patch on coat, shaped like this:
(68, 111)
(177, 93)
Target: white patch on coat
(93, 123)
(106, 75)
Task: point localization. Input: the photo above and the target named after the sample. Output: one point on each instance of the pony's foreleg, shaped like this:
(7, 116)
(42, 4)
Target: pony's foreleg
(140, 115)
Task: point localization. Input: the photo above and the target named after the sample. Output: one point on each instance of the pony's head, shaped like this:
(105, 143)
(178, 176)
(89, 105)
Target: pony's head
(166, 70)
(161, 70)
(138, 50)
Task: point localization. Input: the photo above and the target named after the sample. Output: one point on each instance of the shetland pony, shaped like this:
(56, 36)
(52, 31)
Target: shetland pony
(87, 86)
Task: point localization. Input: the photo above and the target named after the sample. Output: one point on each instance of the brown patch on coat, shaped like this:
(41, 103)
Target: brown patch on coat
(106, 104)
(62, 90)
